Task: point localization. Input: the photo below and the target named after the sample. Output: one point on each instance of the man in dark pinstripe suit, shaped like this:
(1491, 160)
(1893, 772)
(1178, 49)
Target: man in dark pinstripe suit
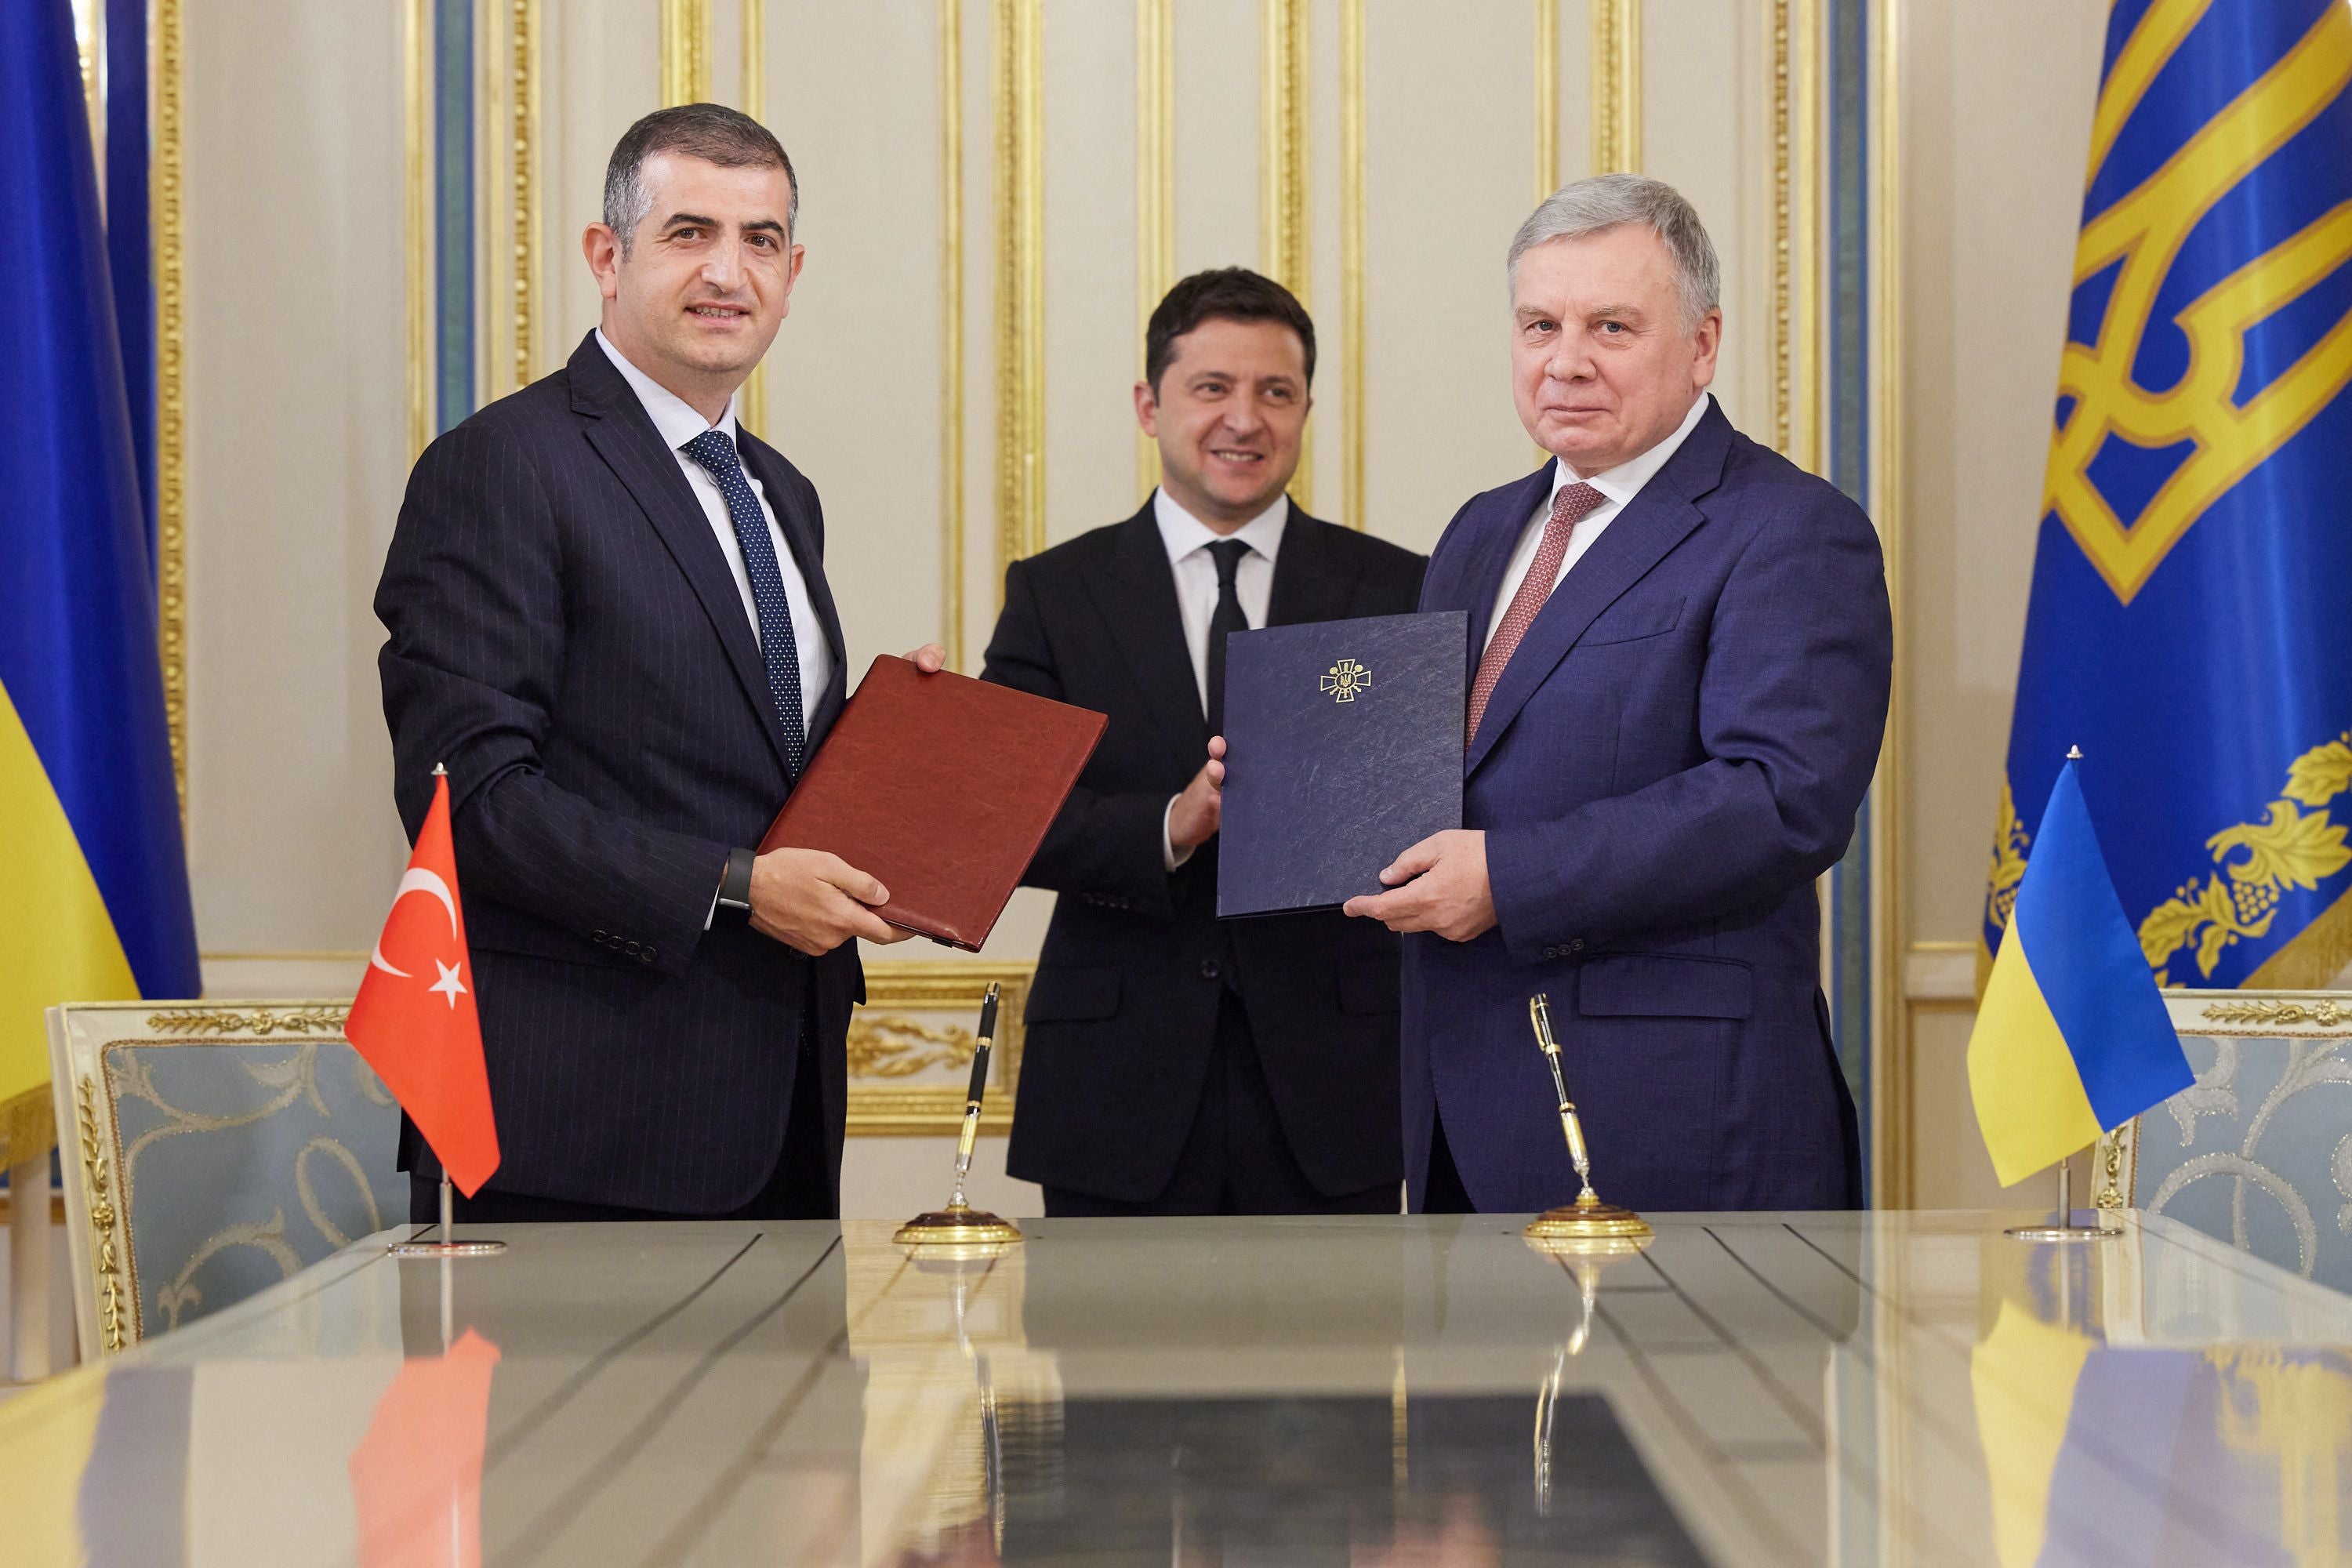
(609, 617)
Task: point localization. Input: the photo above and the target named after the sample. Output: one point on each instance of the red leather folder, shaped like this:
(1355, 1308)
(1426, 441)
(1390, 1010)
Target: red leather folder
(941, 787)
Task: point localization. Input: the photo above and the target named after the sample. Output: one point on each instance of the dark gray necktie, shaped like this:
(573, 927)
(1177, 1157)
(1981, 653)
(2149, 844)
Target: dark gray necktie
(716, 453)
(1227, 617)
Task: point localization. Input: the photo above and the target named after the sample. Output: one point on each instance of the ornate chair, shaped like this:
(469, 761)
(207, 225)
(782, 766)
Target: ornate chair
(2258, 1151)
(211, 1149)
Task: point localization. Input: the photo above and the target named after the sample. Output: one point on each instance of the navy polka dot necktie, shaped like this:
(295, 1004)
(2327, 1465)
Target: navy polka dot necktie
(716, 453)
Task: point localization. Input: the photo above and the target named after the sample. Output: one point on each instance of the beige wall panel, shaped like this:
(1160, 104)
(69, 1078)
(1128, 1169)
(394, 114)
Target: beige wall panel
(1216, 133)
(1706, 108)
(1091, 330)
(600, 70)
(297, 456)
(854, 378)
(1998, 124)
(1450, 144)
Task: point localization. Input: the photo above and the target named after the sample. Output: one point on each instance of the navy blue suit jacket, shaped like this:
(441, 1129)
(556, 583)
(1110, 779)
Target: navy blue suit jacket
(1676, 750)
(566, 636)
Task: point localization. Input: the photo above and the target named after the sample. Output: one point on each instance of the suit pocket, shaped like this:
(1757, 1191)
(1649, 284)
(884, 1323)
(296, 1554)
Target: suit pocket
(1368, 990)
(1071, 995)
(1661, 985)
(1632, 623)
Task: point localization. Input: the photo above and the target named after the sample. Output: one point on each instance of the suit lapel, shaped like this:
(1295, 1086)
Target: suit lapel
(800, 533)
(1637, 538)
(1308, 583)
(625, 437)
(1138, 599)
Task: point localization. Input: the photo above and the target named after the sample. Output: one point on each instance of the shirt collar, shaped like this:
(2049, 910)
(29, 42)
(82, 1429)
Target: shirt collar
(1182, 533)
(1623, 482)
(673, 416)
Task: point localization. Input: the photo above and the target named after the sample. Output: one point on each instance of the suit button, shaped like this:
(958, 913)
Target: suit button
(1577, 945)
(647, 955)
(1208, 969)
(600, 936)
(630, 948)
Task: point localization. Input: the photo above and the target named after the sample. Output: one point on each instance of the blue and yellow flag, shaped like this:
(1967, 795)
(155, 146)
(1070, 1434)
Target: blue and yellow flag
(2191, 622)
(2071, 1036)
(93, 883)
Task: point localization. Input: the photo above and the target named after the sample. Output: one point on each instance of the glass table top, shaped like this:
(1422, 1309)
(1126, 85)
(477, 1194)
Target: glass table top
(1774, 1389)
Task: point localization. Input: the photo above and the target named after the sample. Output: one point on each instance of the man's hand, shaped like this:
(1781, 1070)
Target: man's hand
(1440, 884)
(1192, 819)
(814, 901)
(930, 659)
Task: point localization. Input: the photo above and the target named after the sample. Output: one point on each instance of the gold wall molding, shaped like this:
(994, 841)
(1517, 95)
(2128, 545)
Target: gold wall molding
(1018, 61)
(1155, 190)
(522, 180)
(1616, 86)
(165, 187)
(1895, 1180)
(1351, 262)
(685, 51)
(416, 82)
(1284, 153)
(1546, 49)
(951, 632)
(1806, 151)
(751, 402)
(917, 1019)
(1783, 139)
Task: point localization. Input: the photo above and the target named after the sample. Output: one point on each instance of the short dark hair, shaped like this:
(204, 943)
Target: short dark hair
(1221, 294)
(710, 132)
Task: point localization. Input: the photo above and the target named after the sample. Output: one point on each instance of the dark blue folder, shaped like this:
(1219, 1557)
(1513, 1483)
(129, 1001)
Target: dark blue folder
(1343, 749)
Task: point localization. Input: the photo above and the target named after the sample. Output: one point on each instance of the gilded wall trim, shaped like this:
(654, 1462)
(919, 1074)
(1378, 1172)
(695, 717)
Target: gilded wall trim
(1282, 171)
(1807, 151)
(951, 508)
(916, 1022)
(751, 402)
(1351, 262)
(685, 51)
(1016, 43)
(1546, 50)
(522, 180)
(416, 82)
(1155, 190)
(1783, 140)
(171, 387)
(1890, 1030)
(1616, 86)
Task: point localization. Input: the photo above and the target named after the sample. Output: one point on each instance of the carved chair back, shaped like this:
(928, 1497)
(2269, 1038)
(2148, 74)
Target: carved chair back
(2258, 1151)
(210, 1149)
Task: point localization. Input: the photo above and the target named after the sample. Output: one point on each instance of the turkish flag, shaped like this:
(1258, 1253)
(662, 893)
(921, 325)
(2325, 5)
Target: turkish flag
(413, 1019)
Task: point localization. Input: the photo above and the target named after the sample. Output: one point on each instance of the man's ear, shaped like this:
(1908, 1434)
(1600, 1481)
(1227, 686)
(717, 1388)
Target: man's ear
(1147, 409)
(602, 247)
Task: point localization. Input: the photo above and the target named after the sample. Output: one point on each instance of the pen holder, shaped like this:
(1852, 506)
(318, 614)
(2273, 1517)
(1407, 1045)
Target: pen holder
(1588, 1223)
(959, 1230)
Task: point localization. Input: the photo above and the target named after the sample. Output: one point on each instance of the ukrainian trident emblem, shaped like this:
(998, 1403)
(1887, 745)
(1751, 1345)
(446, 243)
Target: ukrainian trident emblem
(1346, 679)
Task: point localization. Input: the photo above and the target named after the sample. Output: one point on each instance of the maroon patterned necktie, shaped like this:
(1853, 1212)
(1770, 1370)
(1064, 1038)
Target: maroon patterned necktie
(1569, 506)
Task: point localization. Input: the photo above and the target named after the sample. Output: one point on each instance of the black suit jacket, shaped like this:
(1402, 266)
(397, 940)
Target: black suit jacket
(566, 636)
(1122, 1018)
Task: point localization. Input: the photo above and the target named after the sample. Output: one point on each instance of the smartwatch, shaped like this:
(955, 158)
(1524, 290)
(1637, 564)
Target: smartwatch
(735, 887)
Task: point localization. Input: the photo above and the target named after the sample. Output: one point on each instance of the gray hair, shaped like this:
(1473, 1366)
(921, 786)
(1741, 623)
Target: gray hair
(712, 132)
(1608, 201)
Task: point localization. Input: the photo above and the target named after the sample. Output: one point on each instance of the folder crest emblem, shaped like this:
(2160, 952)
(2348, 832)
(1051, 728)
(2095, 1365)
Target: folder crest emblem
(1346, 679)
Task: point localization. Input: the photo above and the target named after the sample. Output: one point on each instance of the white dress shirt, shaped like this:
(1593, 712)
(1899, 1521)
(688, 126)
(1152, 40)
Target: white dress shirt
(679, 424)
(1187, 539)
(1618, 485)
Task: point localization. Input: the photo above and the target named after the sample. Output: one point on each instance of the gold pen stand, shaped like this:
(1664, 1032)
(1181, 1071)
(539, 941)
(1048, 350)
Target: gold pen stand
(1588, 1226)
(968, 1231)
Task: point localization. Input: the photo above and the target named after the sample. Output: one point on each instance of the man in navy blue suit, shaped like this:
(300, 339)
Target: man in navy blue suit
(1680, 648)
(608, 616)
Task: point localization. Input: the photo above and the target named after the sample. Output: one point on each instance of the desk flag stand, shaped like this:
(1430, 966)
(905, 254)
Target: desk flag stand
(975, 1232)
(446, 1247)
(2066, 1229)
(1588, 1219)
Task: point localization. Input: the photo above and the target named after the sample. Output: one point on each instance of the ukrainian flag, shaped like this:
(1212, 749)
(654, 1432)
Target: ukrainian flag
(2189, 625)
(2072, 1038)
(93, 883)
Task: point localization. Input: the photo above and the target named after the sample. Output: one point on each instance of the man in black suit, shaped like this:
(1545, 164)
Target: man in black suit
(609, 617)
(1175, 1065)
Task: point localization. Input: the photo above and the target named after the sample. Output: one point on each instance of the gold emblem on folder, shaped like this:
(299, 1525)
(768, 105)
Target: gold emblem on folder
(1346, 679)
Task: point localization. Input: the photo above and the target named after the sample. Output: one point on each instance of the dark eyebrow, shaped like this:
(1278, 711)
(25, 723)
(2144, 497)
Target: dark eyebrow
(764, 225)
(675, 220)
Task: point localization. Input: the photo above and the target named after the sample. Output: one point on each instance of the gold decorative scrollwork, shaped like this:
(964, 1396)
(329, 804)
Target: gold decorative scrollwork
(2291, 848)
(2011, 844)
(98, 1174)
(890, 1047)
(2322, 1015)
(260, 1021)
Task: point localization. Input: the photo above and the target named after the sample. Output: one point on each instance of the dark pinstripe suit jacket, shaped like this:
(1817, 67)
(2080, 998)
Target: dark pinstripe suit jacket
(566, 636)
